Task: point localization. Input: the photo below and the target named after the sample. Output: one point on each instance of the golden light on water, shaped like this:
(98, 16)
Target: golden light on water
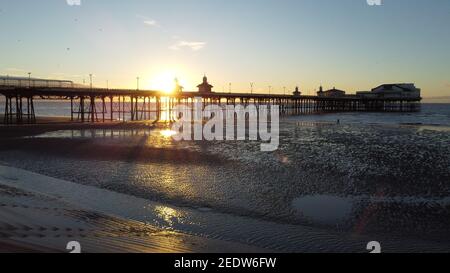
(169, 215)
(168, 133)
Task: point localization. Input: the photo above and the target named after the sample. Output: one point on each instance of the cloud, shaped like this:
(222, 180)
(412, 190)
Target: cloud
(148, 21)
(179, 44)
(73, 2)
(195, 46)
(151, 23)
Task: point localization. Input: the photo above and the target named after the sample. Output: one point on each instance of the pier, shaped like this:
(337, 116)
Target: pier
(103, 104)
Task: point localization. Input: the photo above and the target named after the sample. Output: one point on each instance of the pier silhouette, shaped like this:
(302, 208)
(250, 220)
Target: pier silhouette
(92, 104)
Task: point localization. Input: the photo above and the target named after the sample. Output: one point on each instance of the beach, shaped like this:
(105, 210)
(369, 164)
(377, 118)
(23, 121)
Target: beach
(46, 214)
(33, 221)
(41, 222)
(329, 188)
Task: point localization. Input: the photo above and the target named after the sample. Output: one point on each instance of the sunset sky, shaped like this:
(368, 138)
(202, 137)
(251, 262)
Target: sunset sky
(342, 43)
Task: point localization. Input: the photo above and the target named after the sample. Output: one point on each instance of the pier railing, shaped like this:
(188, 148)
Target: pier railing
(22, 82)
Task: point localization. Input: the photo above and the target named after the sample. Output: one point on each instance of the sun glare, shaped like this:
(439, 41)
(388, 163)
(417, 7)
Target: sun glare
(164, 81)
(168, 133)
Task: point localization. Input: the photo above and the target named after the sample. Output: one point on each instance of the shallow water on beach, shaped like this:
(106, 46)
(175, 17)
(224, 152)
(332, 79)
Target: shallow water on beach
(352, 177)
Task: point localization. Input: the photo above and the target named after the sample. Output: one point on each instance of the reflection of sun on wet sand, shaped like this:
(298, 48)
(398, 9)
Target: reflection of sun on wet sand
(34, 222)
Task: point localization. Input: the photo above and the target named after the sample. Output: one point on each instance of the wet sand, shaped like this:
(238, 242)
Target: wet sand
(42, 214)
(373, 179)
(33, 222)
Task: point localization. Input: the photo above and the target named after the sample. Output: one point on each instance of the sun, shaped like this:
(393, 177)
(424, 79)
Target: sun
(164, 81)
